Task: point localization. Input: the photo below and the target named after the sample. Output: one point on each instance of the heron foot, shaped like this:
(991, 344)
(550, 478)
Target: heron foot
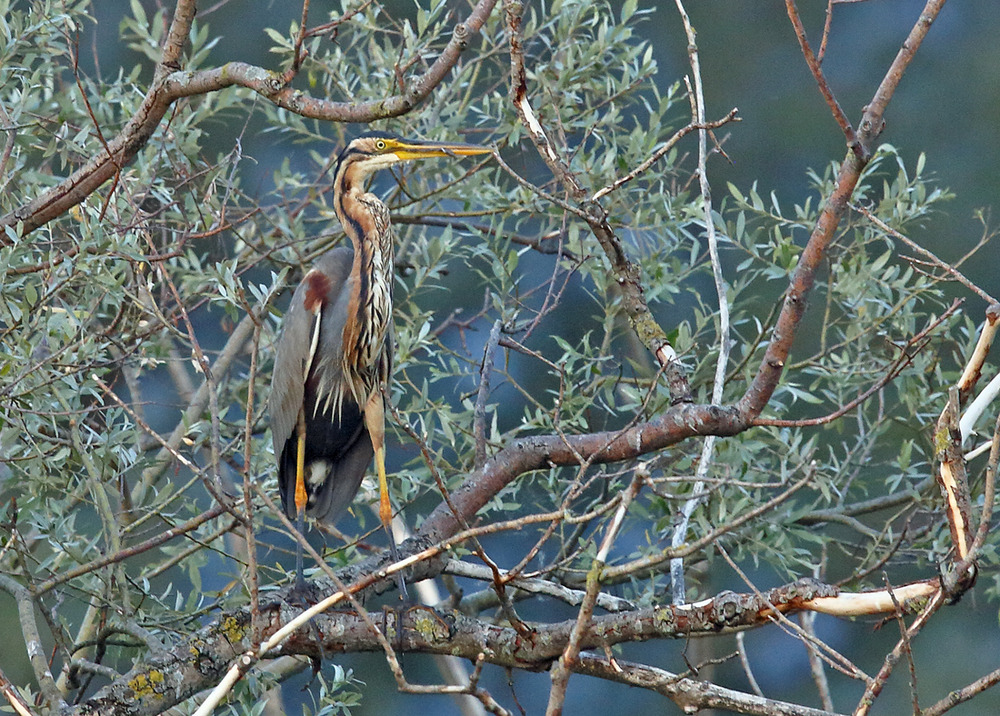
(303, 594)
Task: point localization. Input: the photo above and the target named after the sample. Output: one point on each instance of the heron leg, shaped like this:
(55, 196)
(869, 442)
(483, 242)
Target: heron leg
(300, 578)
(375, 422)
(300, 500)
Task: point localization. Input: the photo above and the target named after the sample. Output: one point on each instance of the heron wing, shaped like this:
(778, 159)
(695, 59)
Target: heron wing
(292, 354)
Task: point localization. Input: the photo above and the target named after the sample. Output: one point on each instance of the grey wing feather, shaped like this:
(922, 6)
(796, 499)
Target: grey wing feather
(287, 382)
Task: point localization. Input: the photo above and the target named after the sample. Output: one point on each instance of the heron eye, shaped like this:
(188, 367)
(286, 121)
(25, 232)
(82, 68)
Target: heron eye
(380, 144)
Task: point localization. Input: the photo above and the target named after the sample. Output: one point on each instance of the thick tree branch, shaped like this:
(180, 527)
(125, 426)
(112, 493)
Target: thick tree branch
(172, 677)
(536, 453)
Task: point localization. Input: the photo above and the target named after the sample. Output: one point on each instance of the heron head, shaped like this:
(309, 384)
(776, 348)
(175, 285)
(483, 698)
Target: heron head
(376, 150)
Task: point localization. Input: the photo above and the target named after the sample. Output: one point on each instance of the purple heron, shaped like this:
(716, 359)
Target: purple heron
(334, 355)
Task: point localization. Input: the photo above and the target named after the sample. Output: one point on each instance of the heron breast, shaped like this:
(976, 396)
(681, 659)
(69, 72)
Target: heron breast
(375, 311)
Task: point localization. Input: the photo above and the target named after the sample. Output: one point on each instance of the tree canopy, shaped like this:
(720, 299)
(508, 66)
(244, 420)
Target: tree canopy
(628, 404)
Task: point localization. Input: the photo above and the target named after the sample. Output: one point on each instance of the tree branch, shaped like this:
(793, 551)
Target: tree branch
(536, 453)
(691, 695)
(626, 272)
(170, 678)
(814, 66)
(804, 275)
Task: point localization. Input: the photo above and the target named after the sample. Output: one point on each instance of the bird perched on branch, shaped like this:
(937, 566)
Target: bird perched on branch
(334, 355)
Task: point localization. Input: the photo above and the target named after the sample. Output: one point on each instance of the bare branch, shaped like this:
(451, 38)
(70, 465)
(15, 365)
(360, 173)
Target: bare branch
(943, 265)
(875, 686)
(563, 667)
(663, 150)
(20, 706)
(960, 696)
(900, 363)
(691, 695)
(25, 601)
(698, 490)
(572, 597)
(814, 66)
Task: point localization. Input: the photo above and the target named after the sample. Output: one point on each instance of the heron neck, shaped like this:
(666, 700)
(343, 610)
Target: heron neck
(366, 221)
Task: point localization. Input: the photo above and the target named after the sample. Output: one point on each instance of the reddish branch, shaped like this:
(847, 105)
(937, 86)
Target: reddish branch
(537, 453)
(804, 275)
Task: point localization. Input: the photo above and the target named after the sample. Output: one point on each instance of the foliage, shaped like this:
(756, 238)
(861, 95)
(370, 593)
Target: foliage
(137, 330)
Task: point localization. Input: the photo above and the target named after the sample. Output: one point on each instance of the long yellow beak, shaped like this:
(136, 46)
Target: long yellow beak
(408, 149)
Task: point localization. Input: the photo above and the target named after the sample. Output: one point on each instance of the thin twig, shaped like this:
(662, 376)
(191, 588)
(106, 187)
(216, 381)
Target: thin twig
(905, 641)
(824, 86)
(161, 461)
(960, 696)
(124, 554)
(626, 273)
(8, 147)
(823, 650)
(874, 687)
(807, 621)
(20, 706)
(690, 695)
(248, 525)
(653, 561)
(663, 150)
(563, 668)
(698, 490)
(905, 358)
(828, 23)
(297, 55)
(573, 597)
(943, 265)
(745, 663)
(479, 414)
